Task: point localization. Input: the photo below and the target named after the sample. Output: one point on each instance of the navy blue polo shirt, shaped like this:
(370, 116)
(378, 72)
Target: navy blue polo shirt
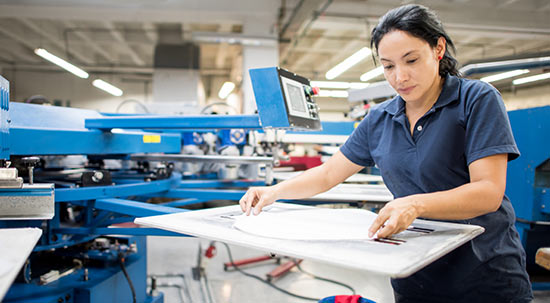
(468, 122)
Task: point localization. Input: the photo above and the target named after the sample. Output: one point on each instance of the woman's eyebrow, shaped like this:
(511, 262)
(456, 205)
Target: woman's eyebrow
(405, 55)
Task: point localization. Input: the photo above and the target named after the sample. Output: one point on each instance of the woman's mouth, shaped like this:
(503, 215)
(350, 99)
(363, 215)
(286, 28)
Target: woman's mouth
(405, 90)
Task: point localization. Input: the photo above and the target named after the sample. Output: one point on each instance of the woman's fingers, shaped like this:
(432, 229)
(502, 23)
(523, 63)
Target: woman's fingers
(251, 196)
(391, 227)
(378, 222)
(260, 205)
(242, 202)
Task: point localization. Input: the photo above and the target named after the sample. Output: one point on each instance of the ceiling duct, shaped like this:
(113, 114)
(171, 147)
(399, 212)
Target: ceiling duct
(529, 61)
(177, 87)
(526, 61)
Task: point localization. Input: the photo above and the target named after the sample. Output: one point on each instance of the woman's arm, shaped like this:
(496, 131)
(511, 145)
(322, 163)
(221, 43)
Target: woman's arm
(481, 196)
(311, 182)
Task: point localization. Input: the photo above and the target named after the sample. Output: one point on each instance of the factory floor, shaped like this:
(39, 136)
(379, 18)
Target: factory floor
(167, 255)
(171, 259)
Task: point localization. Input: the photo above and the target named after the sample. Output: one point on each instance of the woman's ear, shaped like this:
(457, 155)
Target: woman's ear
(440, 47)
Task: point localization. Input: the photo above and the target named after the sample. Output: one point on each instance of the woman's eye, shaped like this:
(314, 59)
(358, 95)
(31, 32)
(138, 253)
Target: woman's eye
(388, 66)
(412, 61)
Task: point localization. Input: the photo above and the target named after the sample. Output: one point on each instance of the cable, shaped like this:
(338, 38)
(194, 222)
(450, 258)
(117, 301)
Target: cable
(123, 267)
(143, 106)
(533, 222)
(262, 280)
(325, 279)
(203, 110)
(278, 288)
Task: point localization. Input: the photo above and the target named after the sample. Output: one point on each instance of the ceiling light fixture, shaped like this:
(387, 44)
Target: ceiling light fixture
(232, 38)
(343, 66)
(501, 76)
(226, 89)
(111, 89)
(337, 84)
(333, 93)
(61, 63)
(531, 79)
(373, 73)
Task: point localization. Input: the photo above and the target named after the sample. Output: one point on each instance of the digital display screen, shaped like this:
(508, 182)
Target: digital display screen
(295, 94)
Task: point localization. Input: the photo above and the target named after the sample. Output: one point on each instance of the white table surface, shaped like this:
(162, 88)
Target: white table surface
(16, 245)
(417, 250)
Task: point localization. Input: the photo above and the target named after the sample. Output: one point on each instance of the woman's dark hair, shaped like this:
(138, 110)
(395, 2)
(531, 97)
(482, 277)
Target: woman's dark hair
(422, 23)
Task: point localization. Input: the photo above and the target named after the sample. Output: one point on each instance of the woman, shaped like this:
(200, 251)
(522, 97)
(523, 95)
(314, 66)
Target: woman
(442, 146)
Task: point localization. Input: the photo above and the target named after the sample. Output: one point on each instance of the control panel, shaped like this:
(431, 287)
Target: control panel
(284, 99)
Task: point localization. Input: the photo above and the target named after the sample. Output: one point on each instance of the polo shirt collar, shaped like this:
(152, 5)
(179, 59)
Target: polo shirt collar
(448, 94)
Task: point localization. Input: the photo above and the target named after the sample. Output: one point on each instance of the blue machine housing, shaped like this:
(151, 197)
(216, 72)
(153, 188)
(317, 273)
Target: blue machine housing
(61, 131)
(528, 180)
(5, 119)
(275, 103)
(99, 285)
(94, 209)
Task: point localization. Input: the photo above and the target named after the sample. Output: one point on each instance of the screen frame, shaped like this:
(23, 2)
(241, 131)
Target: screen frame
(291, 111)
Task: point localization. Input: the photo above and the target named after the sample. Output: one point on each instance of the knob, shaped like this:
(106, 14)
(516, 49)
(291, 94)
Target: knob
(30, 163)
(315, 90)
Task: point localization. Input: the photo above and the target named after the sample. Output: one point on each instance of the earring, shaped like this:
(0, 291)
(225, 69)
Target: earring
(439, 57)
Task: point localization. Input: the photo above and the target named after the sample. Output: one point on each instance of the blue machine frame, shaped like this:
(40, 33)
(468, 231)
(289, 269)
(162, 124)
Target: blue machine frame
(67, 131)
(276, 104)
(528, 181)
(42, 131)
(4, 116)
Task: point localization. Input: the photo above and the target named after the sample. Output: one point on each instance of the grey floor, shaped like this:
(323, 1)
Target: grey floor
(170, 259)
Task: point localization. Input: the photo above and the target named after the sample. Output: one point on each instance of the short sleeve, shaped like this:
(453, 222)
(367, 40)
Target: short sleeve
(488, 130)
(356, 147)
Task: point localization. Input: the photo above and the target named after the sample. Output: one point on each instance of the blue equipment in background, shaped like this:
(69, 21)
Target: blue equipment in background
(4, 116)
(528, 182)
(78, 259)
(284, 99)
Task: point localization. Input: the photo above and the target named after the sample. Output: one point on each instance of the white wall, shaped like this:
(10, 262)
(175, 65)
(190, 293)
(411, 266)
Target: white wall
(67, 87)
(527, 97)
(81, 93)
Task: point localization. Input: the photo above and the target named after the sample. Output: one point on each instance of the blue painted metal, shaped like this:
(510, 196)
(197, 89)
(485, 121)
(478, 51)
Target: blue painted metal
(220, 183)
(175, 122)
(544, 195)
(67, 142)
(106, 284)
(192, 138)
(344, 128)
(204, 194)
(531, 129)
(52, 130)
(269, 97)
(528, 182)
(26, 192)
(132, 208)
(182, 202)
(100, 192)
(540, 286)
(117, 231)
(4, 118)
(229, 137)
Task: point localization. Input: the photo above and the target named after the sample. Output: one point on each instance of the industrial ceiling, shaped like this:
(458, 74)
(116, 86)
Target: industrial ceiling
(119, 37)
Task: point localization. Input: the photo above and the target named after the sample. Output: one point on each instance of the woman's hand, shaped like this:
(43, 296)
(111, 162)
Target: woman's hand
(395, 217)
(257, 197)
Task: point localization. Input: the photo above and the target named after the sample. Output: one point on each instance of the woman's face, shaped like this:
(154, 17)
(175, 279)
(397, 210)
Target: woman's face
(411, 65)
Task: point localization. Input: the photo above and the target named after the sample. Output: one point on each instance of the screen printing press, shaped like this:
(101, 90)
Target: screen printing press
(350, 190)
(399, 256)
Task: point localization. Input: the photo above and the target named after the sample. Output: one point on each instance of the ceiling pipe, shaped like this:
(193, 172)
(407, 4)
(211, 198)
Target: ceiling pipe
(501, 66)
(383, 89)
